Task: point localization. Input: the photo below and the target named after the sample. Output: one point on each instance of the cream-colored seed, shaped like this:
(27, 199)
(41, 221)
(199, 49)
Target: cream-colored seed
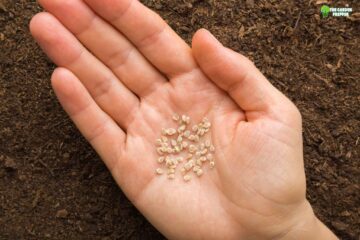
(179, 139)
(187, 178)
(176, 117)
(189, 165)
(180, 159)
(195, 128)
(171, 176)
(185, 119)
(199, 172)
(177, 149)
(191, 137)
(196, 138)
(212, 164)
(189, 156)
(212, 148)
(187, 133)
(173, 143)
(202, 146)
(192, 148)
(198, 154)
(183, 170)
(170, 131)
(159, 171)
(209, 157)
(164, 139)
(207, 143)
(159, 142)
(196, 168)
(203, 159)
(185, 144)
(163, 131)
(160, 151)
(161, 159)
(181, 128)
(199, 162)
(171, 171)
(203, 152)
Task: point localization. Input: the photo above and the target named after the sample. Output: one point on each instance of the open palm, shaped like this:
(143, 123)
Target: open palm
(123, 73)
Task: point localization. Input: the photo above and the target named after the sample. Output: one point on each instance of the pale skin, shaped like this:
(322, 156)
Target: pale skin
(123, 72)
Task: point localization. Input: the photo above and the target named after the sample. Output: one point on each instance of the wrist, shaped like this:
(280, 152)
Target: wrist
(308, 226)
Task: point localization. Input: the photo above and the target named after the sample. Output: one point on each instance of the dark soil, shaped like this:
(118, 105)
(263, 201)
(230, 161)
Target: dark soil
(54, 186)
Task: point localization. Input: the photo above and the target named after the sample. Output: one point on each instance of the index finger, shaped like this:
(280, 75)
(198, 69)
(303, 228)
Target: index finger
(149, 33)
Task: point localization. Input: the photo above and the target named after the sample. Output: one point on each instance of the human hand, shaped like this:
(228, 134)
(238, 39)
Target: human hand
(121, 79)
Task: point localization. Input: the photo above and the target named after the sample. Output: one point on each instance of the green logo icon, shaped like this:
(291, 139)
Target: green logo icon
(325, 10)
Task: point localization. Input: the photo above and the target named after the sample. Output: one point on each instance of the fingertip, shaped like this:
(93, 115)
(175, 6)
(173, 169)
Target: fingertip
(203, 43)
(41, 26)
(63, 82)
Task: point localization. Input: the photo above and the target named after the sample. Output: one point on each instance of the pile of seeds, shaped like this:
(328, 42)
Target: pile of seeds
(185, 147)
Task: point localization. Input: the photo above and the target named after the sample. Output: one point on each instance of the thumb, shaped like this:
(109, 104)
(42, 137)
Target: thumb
(238, 76)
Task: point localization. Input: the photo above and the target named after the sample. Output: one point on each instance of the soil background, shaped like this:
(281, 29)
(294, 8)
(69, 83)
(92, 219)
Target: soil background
(54, 186)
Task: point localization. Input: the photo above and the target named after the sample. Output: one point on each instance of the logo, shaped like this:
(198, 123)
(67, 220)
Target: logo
(327, 11)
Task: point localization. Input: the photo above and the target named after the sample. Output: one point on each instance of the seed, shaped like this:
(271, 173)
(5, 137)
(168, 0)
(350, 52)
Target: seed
(187, 133)
(160, 151)
(191, 137)
(185, 119)
(195, 128)
(161, 159)
(176, 117)
(199, 172)
(185, 144)
(181, 128)
(199, 162)
(164, 139)
(196, 138)
(203, 152)
(159, 142)
(179, 139)
(187, 178)
(212, 164)
(189, 165)
(196, 168)
(169, 161)
(202, 146)
(159, 171)
(207, 143)
(177, 149)
(170, 131)
(171, 176)
(205, 119)
(203, 159)
(212, 148)
(169, 150)
(189, 156)
(171, 171)
(198, 154)
(207, 125)
(173, 167)
(180, 159)
(183, 170)
(209, 157)
(173, 143)
(192, 148)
